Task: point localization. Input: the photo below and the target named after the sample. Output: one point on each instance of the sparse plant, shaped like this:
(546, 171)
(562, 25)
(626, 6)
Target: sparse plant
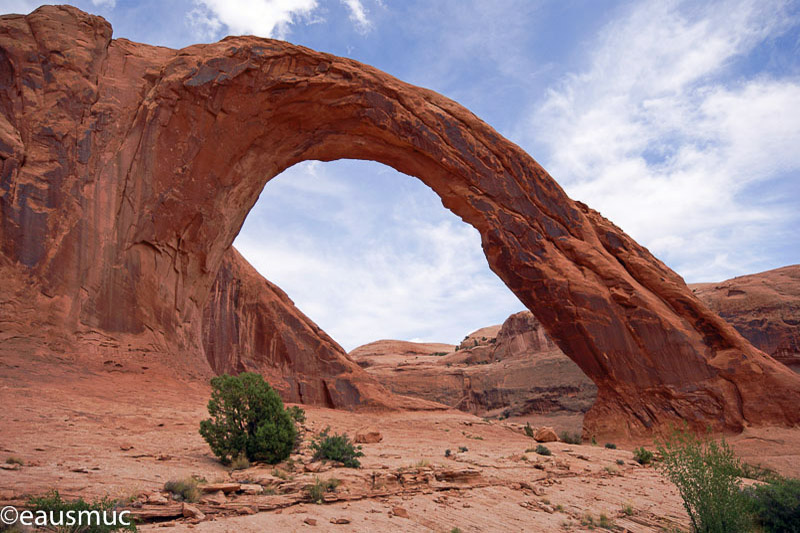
(627, 509)
(543, 450)
(570, 438)
(620, 462)
(247, 416)
(316, 492)
(528, 429)
(336, 448)
(613, 470)
(240, 463)
(758, 472)
(54, 505)
(422, 463)
(594, 441)
(447, 452)
(611, 446)
(15, 461)
(706, 473)
(455, 530)
(642, 455)
(775, 505)
(186, 489)
(605, 522)
(463, 449)
(297, 413)
(559, 508)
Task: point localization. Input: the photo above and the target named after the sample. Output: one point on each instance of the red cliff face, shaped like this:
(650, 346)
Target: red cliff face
(249, 324)
(763, 307)
(128, 169)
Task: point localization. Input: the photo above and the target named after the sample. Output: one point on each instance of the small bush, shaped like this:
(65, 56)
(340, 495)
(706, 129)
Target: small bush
(316, 492)
(528, 429)
(52, 503)
(297, 414)
(627, 509)
(570, 438)
(15, 461)
(447, 452)
(462, 449)
(611, 446)
(775, 506)
(707, 476)
(605, 522)
(247, 417)
(336, 448)
(240, 463)
(543, 450)
(186, 489)
(758, 472)
(642, 456)
(620, 462)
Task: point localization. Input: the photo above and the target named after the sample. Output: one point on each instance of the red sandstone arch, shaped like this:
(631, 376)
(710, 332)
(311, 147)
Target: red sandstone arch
(156, 156)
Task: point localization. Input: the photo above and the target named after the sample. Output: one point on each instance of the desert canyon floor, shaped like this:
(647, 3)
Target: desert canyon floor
(117, 429)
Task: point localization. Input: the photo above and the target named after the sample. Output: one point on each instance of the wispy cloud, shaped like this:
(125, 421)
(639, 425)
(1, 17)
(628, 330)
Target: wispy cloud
(264, 18)
(358, 14)
(660, 134)
(369, 262)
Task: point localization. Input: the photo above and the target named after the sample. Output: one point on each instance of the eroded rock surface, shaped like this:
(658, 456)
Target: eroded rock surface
(763, 307)
(128, 169)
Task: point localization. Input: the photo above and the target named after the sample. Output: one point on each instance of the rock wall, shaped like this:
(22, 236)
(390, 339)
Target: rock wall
(128, 170)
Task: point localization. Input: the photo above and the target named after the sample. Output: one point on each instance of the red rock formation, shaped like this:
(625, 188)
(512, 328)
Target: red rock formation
(249, 324)
(128, 170)
(514, 370)
(763, 307)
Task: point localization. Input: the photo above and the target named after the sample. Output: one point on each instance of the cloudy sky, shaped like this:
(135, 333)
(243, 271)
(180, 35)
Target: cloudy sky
(679, 121)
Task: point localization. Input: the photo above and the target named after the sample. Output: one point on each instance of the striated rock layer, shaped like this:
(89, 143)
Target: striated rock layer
(128, 169)
(514, 370)
(763, 307)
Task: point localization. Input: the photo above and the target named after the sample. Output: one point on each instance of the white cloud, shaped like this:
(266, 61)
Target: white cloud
(264, 18)
(368, 253)
(358, 15)
(661, 136)
(106, 3)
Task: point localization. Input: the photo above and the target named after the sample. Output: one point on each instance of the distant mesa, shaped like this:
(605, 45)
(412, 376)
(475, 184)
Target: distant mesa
(128, 169)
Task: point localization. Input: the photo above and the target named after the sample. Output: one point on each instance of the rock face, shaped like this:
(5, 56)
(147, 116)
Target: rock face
(249, 324)
(510, 370)
(764, 308)
(127, 171)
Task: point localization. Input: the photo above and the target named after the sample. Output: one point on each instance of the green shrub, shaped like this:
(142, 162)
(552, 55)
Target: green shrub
(52, 503)
(186, 489)
(707, 476)
(336, 448)
(570, 438)
(543, 450)
(297, 414)
(316, 492)
(642, 455)
(15, 461)
(620, 462)
(247, 416)
(758, 472)
(775, 506)
(528, 429)
(447, 452)
(463, 449)
(611, 446)
(240, 463)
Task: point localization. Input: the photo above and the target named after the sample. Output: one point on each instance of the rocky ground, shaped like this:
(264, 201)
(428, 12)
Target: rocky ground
(95, 429)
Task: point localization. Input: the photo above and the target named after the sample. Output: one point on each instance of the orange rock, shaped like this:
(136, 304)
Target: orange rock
(127, 171)
(368, 436)
(545, 434)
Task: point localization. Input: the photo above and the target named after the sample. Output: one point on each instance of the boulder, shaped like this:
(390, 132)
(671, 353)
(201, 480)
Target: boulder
(545, 434)
(368, 435)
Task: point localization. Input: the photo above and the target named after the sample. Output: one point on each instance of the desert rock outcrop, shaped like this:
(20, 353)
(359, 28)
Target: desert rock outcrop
(128, 169)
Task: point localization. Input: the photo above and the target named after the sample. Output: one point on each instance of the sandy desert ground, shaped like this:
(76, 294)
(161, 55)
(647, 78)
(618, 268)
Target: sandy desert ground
(118, 430)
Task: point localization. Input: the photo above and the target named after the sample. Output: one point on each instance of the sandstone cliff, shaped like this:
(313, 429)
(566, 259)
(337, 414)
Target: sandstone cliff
(128, 169)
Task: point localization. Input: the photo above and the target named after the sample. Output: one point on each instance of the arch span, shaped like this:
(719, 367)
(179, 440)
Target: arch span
(168, 150)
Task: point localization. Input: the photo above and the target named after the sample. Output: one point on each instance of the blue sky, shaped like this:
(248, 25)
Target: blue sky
(679, 121)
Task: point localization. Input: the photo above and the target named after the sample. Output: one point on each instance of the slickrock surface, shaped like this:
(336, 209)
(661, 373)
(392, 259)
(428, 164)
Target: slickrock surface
(763, 307)
(128, 169)
(124, 431)
(514, 370)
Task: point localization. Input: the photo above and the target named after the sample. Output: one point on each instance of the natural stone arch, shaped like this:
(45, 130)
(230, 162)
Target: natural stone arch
(185, 141)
